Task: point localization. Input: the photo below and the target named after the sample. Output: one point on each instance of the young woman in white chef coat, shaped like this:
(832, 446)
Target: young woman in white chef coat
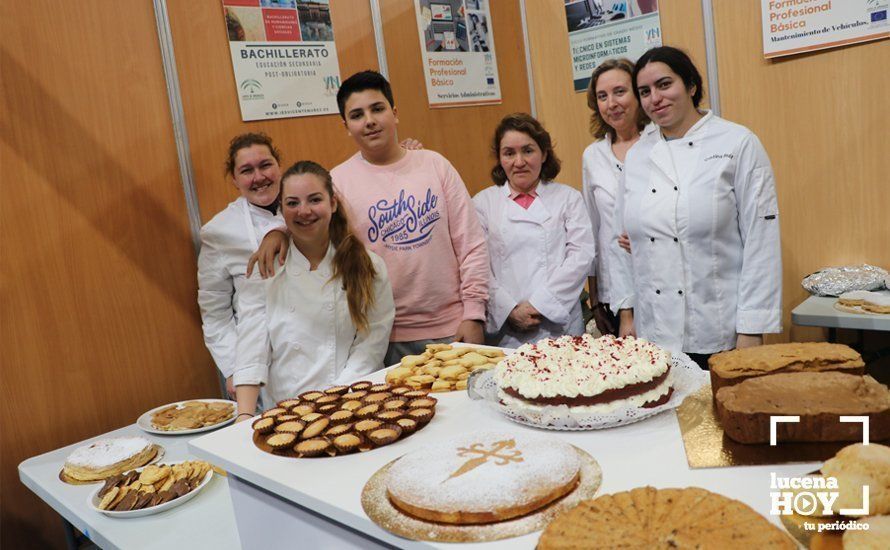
(325, 318)
(616, 121)
(539, 239)
(698, 201)
(228, 240)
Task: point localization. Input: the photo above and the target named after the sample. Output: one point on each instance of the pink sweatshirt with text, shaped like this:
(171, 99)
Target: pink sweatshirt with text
(416, 214)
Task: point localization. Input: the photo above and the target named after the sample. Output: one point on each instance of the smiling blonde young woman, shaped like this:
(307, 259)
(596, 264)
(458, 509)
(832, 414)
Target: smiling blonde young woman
(325, 318)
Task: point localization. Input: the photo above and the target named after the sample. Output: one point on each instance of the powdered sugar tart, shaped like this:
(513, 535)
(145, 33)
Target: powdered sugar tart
(483, 477)
(104, 458)
(581, 382)
(486, 453)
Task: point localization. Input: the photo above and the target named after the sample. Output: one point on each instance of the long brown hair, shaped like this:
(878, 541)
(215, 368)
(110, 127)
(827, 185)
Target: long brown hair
(598, 126)
(352, 264)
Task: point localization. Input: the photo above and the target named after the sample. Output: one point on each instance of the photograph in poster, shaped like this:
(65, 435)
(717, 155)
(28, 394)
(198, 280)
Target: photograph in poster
(283, 56)
(457, 45)
(796, 26)
(602, 29)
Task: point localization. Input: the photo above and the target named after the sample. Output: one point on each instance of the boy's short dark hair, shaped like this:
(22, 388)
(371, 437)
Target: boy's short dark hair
(359, 82)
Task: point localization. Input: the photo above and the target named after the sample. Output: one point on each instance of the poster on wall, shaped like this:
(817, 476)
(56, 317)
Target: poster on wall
(284, 57)
(457, 46)
(797, 26)
(602, 29)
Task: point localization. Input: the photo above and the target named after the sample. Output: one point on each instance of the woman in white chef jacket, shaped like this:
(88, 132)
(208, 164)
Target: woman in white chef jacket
(325, 318)
(698, 201)
(228, 240)
(539, 239)
(616, 122)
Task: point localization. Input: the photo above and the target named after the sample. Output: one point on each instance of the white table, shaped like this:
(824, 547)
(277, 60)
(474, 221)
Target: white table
(207, 521)
(318, 501)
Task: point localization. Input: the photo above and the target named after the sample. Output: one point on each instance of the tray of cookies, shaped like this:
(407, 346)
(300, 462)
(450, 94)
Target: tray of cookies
(343, 419)
(444, 367)
(151, 489)
(188, 417)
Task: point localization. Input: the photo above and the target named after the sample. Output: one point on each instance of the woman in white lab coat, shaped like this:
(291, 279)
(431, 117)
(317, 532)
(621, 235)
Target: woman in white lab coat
(698, 201)
(325, 318)
(539, 239)
(228, 240)
(616, 121)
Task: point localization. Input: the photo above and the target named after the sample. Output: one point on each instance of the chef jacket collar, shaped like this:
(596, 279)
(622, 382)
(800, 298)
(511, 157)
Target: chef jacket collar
(296, 262)
(540, 191)
(695, 127)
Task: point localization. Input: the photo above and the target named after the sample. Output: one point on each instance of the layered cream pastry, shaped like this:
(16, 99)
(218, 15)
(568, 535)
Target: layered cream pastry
(595, 375)
(107, 457)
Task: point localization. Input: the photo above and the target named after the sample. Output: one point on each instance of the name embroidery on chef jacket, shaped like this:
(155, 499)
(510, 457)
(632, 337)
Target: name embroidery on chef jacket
(406, 222)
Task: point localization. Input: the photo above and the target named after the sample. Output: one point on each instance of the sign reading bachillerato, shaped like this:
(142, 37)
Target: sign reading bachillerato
(284, 57)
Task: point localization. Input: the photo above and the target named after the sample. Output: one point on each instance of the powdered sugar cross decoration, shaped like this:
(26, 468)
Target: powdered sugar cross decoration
(500, 451)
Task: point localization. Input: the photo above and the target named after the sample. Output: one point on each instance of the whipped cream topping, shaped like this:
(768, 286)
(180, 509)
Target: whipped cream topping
(107, 452)
(572, 366)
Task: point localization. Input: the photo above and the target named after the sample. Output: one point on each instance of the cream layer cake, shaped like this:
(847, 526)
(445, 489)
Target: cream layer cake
(595, 375)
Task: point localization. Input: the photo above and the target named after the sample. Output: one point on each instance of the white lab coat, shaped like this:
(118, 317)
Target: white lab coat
(227, 242)
(601, 170)
(296, 334)
(542, 255)
(702, 217)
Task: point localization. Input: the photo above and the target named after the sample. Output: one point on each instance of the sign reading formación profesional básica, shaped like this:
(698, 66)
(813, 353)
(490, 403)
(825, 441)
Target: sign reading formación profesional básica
(604, 29)
(284, 57)
(797, 26)
(457, 46)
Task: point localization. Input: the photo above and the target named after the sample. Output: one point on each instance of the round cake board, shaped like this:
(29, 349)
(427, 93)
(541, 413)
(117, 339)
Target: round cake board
(382, 512)
(158, 455)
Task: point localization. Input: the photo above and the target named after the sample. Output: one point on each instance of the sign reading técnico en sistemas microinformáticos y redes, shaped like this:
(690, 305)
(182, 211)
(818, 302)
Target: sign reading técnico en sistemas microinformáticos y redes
(284, 57)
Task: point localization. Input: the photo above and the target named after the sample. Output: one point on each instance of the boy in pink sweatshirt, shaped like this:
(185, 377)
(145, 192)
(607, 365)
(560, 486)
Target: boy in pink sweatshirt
(413, 210)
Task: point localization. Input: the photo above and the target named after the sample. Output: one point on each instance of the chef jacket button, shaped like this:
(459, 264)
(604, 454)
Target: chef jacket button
(653, 190)
(690, 144)
(676, 240)
(675, 188)
(680, 292)
(330, 307)
(657, 291)
(652, 239)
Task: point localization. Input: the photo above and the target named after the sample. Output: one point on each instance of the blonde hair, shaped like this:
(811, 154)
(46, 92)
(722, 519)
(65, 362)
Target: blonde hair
(351, 263)
(598, 126)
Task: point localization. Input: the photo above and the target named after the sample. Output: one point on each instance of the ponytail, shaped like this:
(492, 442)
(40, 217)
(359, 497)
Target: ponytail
(351, 263)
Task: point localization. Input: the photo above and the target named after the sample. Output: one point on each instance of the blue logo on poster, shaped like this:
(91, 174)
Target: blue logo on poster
(878, 16)
(406, 220)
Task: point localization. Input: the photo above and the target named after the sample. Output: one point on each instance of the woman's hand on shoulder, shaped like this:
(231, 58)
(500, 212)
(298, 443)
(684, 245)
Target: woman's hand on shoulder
(411, 144)
(274, 244)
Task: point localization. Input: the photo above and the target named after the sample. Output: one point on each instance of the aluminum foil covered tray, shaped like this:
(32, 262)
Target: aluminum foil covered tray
(834, 281)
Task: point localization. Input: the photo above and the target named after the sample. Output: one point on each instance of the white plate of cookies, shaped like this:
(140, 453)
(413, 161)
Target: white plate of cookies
(444, 367)
(188, 417)
(151, 489)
